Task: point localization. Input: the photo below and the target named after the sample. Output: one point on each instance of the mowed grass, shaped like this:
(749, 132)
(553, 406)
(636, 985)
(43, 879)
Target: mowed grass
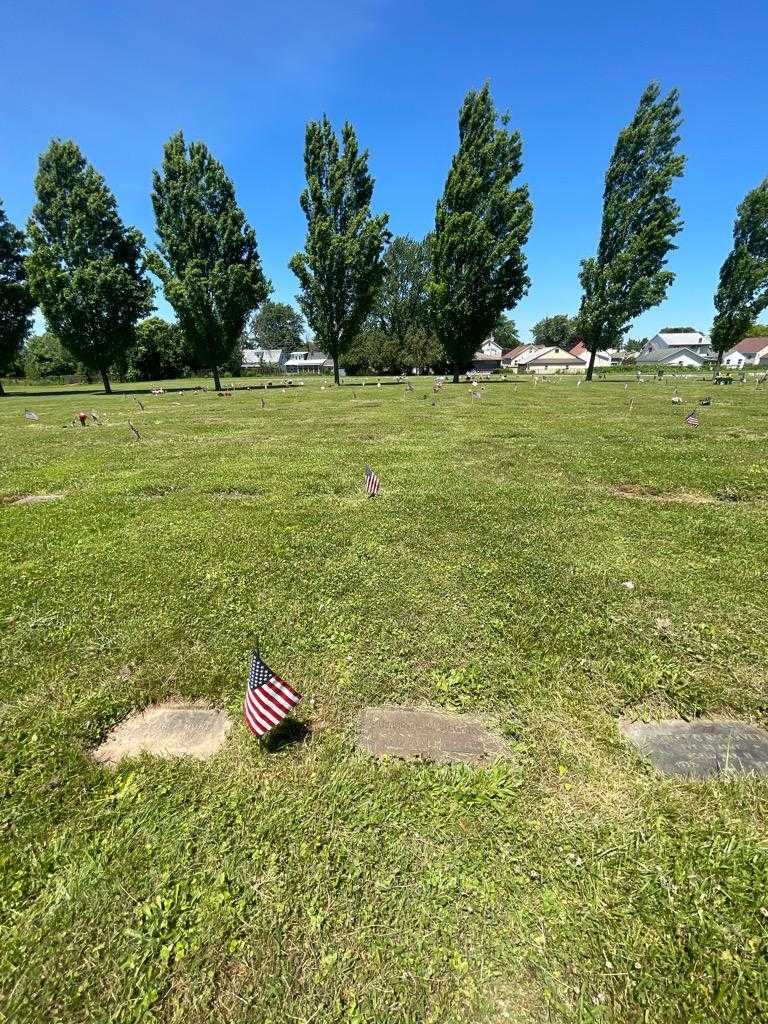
(308, 882)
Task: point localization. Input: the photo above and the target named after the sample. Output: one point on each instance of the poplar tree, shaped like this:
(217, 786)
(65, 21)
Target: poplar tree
(85, 266)
(640, 219)
(16, 303)
(742, 293)
(341, 268)
(481, 225)
(207, 259)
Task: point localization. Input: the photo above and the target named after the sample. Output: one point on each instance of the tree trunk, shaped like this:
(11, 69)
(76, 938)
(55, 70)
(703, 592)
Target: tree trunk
(216, 380)
(335, 369)
(593, 352)
(455, 373)
(718, 363)
(105, 378)
(2, 393)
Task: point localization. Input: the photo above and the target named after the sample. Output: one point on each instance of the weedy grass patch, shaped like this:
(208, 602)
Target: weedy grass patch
(303, 881)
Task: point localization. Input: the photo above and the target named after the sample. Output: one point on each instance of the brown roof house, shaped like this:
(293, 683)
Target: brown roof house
(547, 359)
(748, 352)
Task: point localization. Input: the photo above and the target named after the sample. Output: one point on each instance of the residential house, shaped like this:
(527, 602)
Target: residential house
(510, 359)
(545, 359)
(264, 358)
(303, 361)
(677, 348)
(488, 356)
(748, 352)
(602, 359)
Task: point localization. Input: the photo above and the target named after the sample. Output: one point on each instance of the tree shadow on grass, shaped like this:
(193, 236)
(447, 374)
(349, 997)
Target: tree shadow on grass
(289, 733)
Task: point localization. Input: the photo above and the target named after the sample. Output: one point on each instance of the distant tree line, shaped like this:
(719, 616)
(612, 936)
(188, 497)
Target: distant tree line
(370, 300)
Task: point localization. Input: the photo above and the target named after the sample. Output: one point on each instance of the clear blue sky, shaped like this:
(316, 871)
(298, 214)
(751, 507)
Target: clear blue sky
(245, 77)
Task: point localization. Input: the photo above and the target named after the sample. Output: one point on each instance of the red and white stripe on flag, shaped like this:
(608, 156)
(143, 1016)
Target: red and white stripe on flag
(372, 482)
(268, 704)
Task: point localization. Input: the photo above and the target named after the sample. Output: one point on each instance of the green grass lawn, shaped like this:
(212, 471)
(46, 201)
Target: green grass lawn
(311, 883)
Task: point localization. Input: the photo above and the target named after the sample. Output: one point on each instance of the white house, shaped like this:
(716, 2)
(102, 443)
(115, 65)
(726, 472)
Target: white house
(488, 356)
(677, 348)
(748, 352)
(541, 359)
(602, 359)
(510, 359)
(258, 358)
(308, 362)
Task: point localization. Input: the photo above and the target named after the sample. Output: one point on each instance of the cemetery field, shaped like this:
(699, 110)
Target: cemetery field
(305, 881)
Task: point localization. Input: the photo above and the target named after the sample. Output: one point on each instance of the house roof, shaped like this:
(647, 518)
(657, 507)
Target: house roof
(254, 356)
(683, 340)
(581, 351)
(675, 353)
(749, 346)
(549, 355)
(516, 351)
(308, 359)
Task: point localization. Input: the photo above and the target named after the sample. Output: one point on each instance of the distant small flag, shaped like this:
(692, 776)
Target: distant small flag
(94, 417)
(134, 431)
(83, 417)
(29, 415)
(372, 483)
(268, 698)
(692, 419)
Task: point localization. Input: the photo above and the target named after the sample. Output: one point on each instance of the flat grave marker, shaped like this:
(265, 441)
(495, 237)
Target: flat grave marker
(166, 730)
(429, 734)
(700, 749)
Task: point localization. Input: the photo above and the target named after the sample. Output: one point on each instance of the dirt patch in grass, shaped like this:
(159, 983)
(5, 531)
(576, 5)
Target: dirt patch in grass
(30, 499)
(640, 493)
(238, 495)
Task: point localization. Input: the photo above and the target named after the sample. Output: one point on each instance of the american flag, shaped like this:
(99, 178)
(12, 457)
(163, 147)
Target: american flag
(692, 419)
(372, 482)
(268, 698)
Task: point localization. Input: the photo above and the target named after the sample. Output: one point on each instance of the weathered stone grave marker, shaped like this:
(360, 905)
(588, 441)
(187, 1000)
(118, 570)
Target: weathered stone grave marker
(700, 749)
(429, 734)
(166, 730)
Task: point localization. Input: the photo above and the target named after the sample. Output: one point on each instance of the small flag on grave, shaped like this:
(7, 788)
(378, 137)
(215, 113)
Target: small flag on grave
(29, 415)
(692, 419)
(268, 698)
(372, 483)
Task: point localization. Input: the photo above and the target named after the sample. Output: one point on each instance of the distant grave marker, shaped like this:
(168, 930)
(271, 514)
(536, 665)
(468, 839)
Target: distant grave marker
(429, 734)
(700, 749)
(166, 730)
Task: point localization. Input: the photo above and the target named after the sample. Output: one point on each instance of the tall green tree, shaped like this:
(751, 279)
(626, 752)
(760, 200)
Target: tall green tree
(45, 356)
(16, 303)
(558, 330)
(341, 268)
(207, 258)
(505, 332)
(161, 351)
(402, 303)
(481, 226)
(85, 266)
(276, 325)
(640, 219)
(742, 293)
